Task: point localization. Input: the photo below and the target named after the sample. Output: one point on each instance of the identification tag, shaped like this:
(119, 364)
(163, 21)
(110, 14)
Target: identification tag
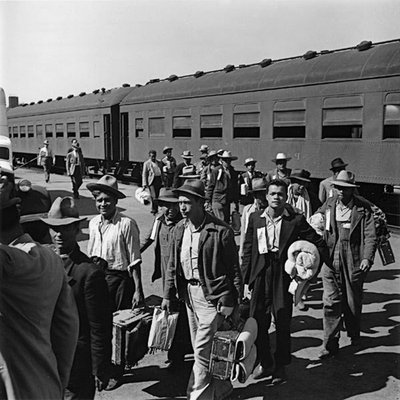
(262, 241)
(328, 220)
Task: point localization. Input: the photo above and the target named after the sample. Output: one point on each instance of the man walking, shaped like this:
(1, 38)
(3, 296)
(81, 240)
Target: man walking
(92, 360)
(351, 238)
(75, 166)
(46, 159)
(169, 166)
(270, 233)
(203, 268)
(152, 178)
(326, 189)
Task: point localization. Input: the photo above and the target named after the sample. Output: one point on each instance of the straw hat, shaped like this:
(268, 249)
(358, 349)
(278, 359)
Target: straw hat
(107, 184)
(187, 154)
(280, 157)
(166, 148)
(344, 179)
(227, 155)
(249, 161)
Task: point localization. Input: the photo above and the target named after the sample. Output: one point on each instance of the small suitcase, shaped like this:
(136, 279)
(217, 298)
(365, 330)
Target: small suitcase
(223, 354)
(386, 252)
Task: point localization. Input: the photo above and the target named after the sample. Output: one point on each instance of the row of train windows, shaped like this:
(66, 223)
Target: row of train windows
(56, 130)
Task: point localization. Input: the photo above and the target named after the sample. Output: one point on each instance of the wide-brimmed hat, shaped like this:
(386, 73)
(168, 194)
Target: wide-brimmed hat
(107, 184)
(75, 145)
(195, 187)
(280, 157)
(189, 172)
(258, 185)
(46, 142)
(187, 154)
(166, 148)
(168, 196)
(212, 153)
(338, 163)
(63, 211)
(7, 198)
(204, 148)
(249, 160)
(227, 155)
(220, 152)
(344, 179)
(300, 175)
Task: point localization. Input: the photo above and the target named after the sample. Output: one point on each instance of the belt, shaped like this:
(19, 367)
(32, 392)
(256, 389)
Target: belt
(193, 282)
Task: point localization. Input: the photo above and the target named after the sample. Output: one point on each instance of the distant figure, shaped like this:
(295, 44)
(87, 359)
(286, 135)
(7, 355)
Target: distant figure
(203, 159)
(187, 163)
(281, 171)
(38, 316)
(326, 189)
(75, 166)
(246, 180)
(152, 178)
(212, 162)
(169, 166)
(46, 159)
(92, 359)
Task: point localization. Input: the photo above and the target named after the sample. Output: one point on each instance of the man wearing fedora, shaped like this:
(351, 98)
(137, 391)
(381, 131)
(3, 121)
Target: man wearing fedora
(92, 360)
(351, 238)
(203, 269)
(75, 167)
(203, 159)
(246, 179)
(46, 159)
(169, 166)
(212, 162)
(187, 164)
(326, 189)
(39, 320)
(152, 178)
(269, 234)
(223, 188)
(281, 171)
(161, 235)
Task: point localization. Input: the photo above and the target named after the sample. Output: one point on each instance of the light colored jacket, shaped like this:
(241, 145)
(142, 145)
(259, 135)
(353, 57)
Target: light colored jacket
(149, 173)
(73, 158)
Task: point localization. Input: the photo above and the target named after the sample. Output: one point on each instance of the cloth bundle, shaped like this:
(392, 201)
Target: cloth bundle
(317, 221)
(302, 264)
(162, 329)
(143, 196)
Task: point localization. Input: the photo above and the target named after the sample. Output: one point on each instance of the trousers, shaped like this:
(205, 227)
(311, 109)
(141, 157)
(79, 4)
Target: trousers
(221, 211)
(154, 189)
(76, 180)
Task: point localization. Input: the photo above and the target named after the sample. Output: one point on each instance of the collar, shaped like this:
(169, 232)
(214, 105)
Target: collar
(350, 204)
(284, 214)
(188, 224)
(24, 238)
(109, 221)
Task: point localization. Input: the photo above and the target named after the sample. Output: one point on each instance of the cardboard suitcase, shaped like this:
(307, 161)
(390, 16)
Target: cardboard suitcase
(386, 252)
(223, 354)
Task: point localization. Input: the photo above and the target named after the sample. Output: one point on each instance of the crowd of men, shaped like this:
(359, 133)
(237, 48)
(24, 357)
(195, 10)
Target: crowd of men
(56, 303)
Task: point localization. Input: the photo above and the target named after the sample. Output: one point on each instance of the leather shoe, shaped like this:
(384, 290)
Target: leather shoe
(356, 341)
(325, 353)
(113, 383)
(279, 376)
(260, 372)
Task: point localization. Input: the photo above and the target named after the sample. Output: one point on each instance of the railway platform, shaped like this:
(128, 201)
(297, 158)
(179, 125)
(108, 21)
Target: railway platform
(368, 372)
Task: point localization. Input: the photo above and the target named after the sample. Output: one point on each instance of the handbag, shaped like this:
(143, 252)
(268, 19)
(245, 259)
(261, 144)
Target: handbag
(162, 329)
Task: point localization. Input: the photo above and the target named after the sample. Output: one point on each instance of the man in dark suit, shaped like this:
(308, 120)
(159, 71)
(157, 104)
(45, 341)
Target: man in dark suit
(92, 360)
(75, 166)
(269, 234)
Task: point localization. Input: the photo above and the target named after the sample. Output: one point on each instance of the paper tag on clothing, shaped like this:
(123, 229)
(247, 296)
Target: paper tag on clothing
(327, 220)
(346, 225)
(219, 174)
(262, 241)
(154, 230)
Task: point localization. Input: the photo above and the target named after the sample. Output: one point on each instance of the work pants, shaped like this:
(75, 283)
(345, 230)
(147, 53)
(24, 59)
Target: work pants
(154, 189)
(84, 390)
(47, 164)
(76, 179)
(221, 211)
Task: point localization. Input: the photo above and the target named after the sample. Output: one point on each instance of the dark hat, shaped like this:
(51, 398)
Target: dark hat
(166, 148)
(227, 155)
(63, 212)
(7, 199)
(300, 175)
(344, 179)
(187, 154)
(195, 187)
(167, 195)
(338, 163)
(280, 157)
(258, 185)
(107, 184)
(249, 160)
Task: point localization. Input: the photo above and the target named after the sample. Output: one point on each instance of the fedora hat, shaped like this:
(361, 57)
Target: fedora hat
(166, 148)
(204, 148)
(7, 199)
(345, 179)
(168, 196)
(227, 155)
(249, 160)
(46, 142)
(300, 175)
(107, 184)
(280, 157)
(63, 211)
(220, 152)
(195, 187)
(189, 172)
(187, 154)
(258, 185)
(338, 163)
(212, 153)
(35, 201)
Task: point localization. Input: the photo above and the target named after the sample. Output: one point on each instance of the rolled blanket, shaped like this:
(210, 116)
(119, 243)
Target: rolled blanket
(317, 221)
(243, 369)
(246, 339)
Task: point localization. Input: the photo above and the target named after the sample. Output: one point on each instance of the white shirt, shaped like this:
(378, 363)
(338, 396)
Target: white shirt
(273, 229)
(190, 251)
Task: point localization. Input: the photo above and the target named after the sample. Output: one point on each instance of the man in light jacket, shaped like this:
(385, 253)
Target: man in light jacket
(152, 178)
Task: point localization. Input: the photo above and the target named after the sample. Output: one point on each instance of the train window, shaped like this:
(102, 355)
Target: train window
(139, 127)
(31, 132)
(84, 129)
(59, 130)
(49, 130)
(211, 126)
(4, 153)
(246, 125)
(289, 124)
(181, 127)
(22, 131)
(71, 131)
(157, 126)
(96, 128)
(39, 130)
(342, 123)
(15, 131)
(391, 128)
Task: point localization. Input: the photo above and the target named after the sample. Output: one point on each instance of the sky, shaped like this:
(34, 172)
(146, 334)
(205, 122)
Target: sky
(56, 48)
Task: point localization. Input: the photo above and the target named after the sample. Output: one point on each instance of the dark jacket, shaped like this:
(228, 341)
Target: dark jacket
(223, 188)
(93, 352)
(218, 263)
(362, 229)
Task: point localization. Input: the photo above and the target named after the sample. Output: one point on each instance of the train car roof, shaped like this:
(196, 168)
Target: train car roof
(84, 101)
(364, 61)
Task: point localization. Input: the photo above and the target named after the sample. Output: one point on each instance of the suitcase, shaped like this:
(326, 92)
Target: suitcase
(386, 252)
(223, 354)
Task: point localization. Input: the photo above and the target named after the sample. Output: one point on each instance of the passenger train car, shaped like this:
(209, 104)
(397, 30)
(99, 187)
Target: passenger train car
(316, 107)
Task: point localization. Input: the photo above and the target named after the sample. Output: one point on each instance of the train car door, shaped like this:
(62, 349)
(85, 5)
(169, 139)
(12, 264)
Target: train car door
(107, 137)
(124, 137)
